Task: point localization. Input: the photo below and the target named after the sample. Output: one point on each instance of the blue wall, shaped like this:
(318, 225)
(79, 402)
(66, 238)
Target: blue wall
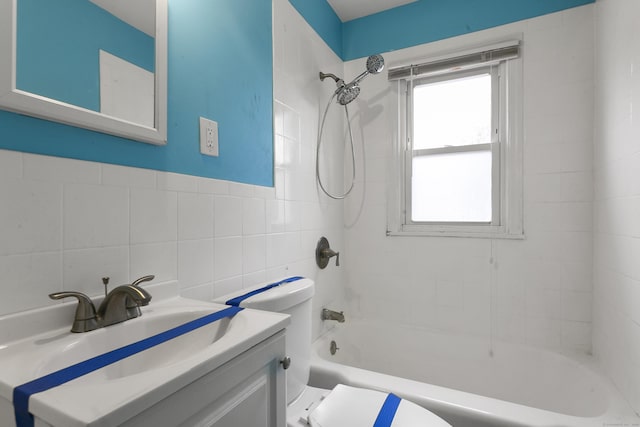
(420, 22)
(220, 67)
(322, 18)
(426, 21)
(54, 61)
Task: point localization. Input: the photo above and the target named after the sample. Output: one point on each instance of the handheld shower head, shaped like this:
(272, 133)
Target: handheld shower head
(375, 64)
(350, 91)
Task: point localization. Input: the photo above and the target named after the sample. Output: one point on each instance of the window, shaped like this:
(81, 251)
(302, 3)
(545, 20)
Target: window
(458, 163)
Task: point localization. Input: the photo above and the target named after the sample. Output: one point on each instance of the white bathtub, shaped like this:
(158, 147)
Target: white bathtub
(464, 382)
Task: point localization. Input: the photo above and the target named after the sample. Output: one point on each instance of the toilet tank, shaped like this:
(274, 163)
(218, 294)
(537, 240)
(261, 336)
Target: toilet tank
(292, 298)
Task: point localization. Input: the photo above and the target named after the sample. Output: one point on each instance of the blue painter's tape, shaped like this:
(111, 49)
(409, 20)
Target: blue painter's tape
(388, 411)
(237, 300)
(22, 393)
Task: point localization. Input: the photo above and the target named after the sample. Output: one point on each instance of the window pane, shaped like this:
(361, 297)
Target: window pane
(454, 187)
(452, 112)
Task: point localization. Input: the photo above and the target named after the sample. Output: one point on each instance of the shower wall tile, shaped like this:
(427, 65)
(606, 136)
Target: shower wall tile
(535, 291)
(616, 299)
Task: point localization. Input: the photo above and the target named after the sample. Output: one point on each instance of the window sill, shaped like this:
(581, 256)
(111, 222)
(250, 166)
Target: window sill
(458, 233)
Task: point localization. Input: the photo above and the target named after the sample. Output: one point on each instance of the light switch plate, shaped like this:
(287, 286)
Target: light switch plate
(208, 137)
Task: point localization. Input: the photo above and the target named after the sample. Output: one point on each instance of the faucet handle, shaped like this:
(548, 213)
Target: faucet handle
(324, 253)
(85, 318)
(143, 279)
(145, 296)
(329, 253)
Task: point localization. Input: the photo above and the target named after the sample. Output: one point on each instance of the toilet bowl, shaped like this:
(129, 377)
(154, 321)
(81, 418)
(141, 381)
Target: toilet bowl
(344, 406)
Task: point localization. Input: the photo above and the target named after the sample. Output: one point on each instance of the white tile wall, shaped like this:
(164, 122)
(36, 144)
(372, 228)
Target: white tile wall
(95, 216)
(300, 215)
(535, 291)
(616, 299)
(65, 224)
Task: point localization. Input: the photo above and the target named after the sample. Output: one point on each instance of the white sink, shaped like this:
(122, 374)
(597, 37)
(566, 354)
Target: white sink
(109, 393)
(79, 347)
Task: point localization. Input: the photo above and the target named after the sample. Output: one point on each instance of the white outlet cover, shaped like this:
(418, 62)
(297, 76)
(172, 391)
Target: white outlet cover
(208, 137)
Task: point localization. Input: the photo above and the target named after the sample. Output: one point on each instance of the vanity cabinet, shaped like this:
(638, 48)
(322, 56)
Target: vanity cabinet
(247, 391)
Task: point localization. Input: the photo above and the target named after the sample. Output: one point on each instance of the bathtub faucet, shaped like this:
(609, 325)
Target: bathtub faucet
(332, 315)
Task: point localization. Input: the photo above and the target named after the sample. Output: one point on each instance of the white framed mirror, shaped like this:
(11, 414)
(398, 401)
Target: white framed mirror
(95, 64)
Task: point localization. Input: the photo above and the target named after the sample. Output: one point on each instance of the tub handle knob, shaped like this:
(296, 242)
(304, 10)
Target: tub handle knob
(324, 253)
(286, 362)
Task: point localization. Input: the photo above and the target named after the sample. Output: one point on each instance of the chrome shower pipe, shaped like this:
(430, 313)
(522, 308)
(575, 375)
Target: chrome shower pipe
(337, 79)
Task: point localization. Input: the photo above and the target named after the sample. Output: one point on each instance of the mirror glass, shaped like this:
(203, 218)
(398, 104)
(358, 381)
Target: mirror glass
(99, 64)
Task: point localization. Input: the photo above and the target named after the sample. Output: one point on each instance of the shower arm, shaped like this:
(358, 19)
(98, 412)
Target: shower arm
(337, 79)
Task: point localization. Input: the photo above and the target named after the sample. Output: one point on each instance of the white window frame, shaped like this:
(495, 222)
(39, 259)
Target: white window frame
(506, 148)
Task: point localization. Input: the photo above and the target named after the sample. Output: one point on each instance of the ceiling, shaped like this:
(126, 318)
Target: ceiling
(352, 9)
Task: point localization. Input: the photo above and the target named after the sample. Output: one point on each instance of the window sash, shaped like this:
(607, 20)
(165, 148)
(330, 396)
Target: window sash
(494, 146)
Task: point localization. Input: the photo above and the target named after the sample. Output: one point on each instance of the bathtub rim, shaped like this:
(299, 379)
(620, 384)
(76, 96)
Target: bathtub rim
(439, 399)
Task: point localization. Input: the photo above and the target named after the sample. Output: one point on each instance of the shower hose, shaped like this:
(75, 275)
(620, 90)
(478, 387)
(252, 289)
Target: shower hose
(353, 156)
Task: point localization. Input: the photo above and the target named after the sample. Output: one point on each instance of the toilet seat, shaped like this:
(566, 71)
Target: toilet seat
(347, 406)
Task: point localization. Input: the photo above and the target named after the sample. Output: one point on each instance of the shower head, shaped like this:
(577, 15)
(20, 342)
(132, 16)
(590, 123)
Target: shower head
(350, 91)
(375, 64)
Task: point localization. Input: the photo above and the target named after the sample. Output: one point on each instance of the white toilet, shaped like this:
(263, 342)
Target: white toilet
(308, 406)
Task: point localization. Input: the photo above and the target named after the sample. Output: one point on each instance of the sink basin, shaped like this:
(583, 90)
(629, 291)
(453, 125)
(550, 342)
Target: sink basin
(88, 345)
(108, 394)
(60, 349)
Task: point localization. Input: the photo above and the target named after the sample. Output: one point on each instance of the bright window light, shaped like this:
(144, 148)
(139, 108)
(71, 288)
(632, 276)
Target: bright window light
(453, 187)
(452, 113)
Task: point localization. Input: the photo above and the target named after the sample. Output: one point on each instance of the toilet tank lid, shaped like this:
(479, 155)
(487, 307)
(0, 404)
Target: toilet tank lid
(358, 407)
(274, 299)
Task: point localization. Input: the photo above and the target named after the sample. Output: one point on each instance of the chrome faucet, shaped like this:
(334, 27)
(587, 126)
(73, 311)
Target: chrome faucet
(332, 315)
(122, 303)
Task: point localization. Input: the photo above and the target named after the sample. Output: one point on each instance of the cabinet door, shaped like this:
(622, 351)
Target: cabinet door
(248, 391)
(247, 406)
